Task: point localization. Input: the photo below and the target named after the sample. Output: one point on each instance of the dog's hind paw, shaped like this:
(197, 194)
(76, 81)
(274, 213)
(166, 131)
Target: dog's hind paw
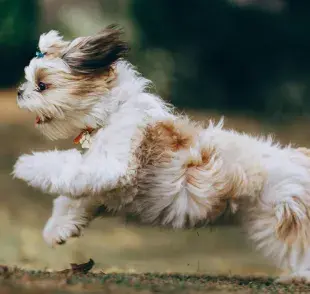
(301, 277)
(59, 229)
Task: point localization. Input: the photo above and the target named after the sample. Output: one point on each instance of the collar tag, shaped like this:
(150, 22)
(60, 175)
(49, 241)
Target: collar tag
(84, 138)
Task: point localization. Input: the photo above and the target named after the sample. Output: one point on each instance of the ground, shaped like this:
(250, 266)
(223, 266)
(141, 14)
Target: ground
(23, 282)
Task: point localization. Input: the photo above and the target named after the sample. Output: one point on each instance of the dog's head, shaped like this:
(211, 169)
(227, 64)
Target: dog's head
(66, 81)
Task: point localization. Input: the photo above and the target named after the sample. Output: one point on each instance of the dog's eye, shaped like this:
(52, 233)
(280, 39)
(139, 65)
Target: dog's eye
(42, 86)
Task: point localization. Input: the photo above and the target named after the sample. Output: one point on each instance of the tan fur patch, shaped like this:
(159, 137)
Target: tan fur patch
(166, 136)
(180, 182)
(41, 74)
(93, 84)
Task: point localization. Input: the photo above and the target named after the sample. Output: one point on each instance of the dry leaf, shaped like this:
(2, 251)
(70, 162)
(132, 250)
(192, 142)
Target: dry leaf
(83, 268)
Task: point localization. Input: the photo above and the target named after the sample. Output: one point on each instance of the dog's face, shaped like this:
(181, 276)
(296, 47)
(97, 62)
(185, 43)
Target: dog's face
(65, 83)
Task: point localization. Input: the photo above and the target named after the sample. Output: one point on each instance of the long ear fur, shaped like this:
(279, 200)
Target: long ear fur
(95, 54)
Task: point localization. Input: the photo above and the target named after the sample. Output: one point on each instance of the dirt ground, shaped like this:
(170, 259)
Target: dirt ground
(23, 282)
(117, 247)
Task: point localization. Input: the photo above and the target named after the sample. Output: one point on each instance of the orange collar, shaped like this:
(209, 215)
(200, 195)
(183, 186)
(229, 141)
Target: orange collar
(79, 137)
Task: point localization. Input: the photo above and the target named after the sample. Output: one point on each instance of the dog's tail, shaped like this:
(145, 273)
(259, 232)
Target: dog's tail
(292, 221)
(292, 212)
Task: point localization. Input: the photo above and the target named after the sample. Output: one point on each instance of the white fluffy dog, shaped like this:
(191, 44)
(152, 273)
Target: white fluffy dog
(139, 156)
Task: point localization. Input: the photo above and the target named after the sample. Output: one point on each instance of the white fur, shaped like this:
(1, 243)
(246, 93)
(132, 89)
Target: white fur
(269, 176)
(50, 43)
(47, 40)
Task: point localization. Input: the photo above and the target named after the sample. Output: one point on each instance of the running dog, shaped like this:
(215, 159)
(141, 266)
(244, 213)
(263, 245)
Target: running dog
(140, 156)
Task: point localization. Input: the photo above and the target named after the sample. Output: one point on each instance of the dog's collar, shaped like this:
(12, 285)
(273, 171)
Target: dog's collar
(84, 138)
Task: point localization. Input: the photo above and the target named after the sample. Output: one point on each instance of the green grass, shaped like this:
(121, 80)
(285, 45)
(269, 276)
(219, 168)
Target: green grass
(19, 281)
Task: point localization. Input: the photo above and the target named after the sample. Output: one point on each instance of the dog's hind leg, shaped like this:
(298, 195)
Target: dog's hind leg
(68, 219)
(279, 225)
(300, 258)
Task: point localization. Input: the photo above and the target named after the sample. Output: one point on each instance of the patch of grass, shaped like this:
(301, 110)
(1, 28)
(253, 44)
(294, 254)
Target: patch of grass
(20, 281)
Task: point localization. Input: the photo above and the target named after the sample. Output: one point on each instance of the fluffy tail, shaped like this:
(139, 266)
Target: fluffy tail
(292, 221)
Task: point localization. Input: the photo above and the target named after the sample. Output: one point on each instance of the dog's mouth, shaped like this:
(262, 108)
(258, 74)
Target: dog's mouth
(42, 119)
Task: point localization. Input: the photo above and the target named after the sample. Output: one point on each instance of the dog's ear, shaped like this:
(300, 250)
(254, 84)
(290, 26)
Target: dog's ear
(95, 54)
(51, 44)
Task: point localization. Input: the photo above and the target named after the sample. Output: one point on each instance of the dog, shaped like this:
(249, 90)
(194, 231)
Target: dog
(139, 155)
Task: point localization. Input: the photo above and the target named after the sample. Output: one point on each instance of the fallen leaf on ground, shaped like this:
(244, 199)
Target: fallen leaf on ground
(82, 268)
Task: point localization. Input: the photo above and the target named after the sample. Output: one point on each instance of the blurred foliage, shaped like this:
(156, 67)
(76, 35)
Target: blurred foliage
(229, 56)
(18, 27)
(216, 54)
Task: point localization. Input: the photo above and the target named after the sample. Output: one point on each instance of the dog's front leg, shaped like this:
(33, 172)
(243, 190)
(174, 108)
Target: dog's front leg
(100, 169)
(48, 171)
(69, 218)
(73, 174)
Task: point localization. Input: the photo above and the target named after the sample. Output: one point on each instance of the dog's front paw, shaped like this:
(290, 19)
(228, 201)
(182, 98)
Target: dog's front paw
(24, 168)
(59, 229)
(35, 170)
(48, 171)
(301, 277)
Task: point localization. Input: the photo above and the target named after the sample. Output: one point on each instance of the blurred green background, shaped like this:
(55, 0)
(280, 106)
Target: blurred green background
(245, 59)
